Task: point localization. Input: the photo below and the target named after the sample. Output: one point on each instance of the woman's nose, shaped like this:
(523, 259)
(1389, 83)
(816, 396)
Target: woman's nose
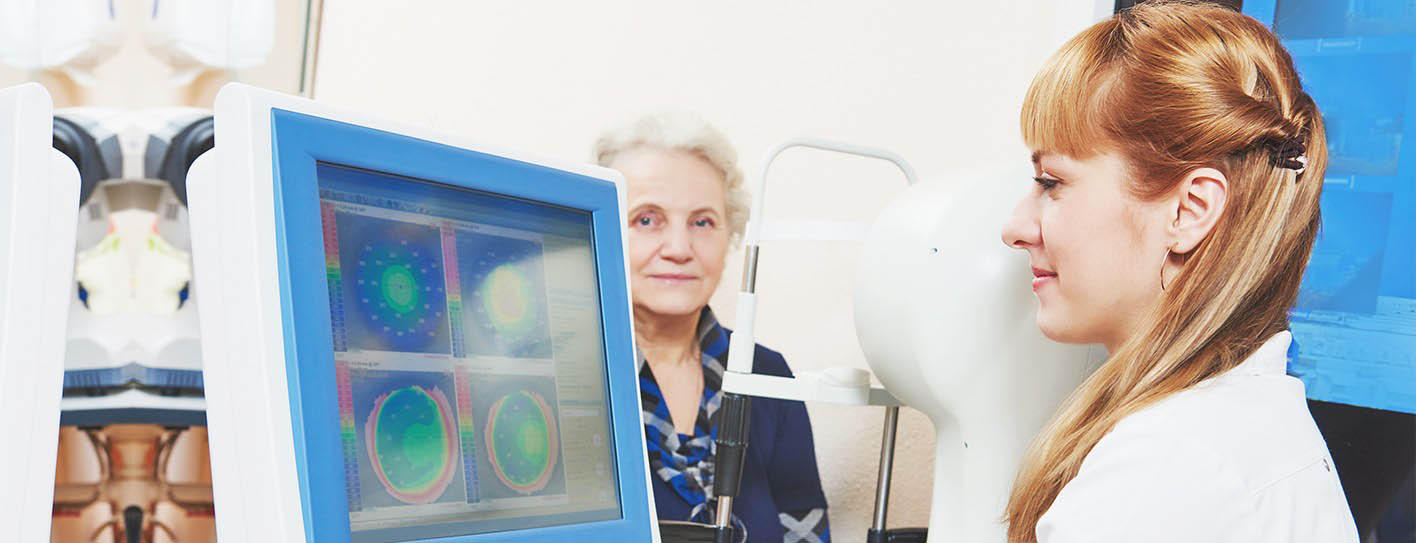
(1022, 231)
(677, 246)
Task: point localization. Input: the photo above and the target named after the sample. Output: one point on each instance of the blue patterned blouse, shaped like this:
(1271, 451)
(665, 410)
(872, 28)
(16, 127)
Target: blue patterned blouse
(780, 498)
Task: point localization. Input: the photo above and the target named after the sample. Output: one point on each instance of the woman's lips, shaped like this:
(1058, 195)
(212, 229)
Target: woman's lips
(1042, 277)
(673, 277)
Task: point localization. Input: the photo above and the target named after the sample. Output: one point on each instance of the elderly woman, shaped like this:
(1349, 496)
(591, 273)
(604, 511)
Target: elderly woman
(686, 209)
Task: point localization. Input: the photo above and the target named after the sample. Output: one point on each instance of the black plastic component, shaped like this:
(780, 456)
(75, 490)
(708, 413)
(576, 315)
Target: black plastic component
(896, 535)
(677, 531)
(81, 148)
(133, 524)
(1236, 5)
(197, 138)
(100, 418)
(736, 416)
(724, 534)
(1373, 452)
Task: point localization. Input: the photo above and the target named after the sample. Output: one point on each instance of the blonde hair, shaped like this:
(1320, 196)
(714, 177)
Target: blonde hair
(1174, 86)
(689, 133)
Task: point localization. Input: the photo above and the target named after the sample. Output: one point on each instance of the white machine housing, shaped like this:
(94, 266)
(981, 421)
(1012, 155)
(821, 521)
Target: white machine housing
(220, 34)
(231, 198)
(39, 200)
(947, 321)
(46, 34)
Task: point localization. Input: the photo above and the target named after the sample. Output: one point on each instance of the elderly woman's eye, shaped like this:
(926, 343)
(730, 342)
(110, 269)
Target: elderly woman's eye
(644, 220)
(703, 222)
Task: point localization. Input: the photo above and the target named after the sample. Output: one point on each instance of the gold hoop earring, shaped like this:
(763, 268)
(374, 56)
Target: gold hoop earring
(1162, 269)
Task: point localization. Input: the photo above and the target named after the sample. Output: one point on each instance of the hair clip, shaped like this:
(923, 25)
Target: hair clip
(1291, 153)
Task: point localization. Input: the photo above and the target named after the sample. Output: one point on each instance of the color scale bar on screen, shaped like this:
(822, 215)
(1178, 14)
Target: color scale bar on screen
(453, 289)
(467, 430)
(347, 434)
(332, 277)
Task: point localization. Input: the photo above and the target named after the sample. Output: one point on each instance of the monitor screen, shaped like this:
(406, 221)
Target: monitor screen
(1354, 325)
(1307, 19)
(469, 359)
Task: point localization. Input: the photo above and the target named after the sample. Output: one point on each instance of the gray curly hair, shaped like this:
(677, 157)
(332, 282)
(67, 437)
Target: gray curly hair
(683, 132)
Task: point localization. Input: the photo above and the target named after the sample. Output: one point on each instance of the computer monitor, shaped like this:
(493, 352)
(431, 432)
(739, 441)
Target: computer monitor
(409, 339)
(39, 202)
(1355, 322)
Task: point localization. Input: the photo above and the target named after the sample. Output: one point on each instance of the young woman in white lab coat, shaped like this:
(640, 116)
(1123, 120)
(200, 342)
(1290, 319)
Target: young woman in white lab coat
(1178, 165)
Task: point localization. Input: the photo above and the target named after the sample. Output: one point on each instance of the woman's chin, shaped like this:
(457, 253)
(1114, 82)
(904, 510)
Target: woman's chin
(673, 307)
(1053, 328)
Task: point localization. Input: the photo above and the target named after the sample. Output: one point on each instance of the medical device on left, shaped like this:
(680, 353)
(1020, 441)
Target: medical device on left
(39, 197)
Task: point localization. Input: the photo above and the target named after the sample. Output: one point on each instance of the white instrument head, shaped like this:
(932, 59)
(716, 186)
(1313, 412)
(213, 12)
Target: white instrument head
(947, 321)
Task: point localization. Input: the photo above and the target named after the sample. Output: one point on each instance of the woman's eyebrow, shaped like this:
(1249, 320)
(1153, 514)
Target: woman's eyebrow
(642, 207)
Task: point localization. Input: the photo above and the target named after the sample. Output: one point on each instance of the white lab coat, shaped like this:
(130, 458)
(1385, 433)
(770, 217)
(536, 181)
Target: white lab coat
(1236, 458)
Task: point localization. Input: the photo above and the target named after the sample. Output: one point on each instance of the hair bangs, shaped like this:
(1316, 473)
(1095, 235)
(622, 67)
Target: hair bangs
(1065, 110)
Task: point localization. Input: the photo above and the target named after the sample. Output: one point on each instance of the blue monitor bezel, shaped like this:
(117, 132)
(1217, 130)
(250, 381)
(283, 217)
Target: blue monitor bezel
(298, 142)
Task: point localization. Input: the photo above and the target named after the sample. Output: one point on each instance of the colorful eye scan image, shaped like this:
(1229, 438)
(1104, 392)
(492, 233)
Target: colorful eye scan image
(394, 288)
(504, 296)
(520, 449)
(407, 438)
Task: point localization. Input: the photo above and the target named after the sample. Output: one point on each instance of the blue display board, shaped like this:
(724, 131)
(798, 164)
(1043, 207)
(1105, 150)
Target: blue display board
(1355, 322)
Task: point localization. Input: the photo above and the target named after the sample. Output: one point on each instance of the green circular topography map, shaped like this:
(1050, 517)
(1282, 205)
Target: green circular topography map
(411, 441)
(521, 441)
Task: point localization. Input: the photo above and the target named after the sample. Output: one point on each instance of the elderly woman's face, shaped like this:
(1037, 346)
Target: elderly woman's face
(678, 230)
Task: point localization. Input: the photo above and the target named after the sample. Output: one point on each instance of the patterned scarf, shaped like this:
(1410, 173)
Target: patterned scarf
(686, 462)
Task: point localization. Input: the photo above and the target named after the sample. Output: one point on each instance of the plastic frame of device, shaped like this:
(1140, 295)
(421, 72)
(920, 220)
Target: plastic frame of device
(277, 465)
(39, 199)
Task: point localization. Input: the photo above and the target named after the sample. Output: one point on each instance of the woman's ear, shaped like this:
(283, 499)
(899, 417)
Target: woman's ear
(1200, 200)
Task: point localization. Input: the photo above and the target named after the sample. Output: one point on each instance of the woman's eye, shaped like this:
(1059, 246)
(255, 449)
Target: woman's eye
(703, 223)
(644, 220)
(1047, 183)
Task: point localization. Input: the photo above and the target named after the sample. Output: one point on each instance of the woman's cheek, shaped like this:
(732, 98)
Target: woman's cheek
(641, 248)
(710, 246)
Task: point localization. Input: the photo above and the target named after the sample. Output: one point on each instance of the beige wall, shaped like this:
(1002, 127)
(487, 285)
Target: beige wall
(938, 82)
